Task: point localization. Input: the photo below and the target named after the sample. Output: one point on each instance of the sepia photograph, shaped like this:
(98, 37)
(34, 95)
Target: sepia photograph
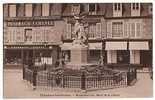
(78, 50)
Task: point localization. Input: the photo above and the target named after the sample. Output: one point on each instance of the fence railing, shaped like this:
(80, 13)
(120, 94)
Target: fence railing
(84, 81)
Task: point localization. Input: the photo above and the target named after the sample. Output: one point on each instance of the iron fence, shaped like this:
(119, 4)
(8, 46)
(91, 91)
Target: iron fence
(85, 81)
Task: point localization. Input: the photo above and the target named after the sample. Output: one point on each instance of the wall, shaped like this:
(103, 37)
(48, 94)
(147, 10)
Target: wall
(145, 27)
(39, 34)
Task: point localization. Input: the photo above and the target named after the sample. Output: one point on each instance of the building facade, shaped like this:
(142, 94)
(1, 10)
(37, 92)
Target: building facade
(121, 33)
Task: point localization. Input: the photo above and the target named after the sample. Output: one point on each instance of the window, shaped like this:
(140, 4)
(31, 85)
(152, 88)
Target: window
(37, 9)
(28, 35)
(92, 7)
(135, 9)
(20, 10)
(94, 56)
(150, 9)
(117, 29)
(117, 9)
(75, 9)
(135, 6)
(45, 9)
(28, 10)
(92, 30)
(117, 6)
(12, 10)
(135, 29)
(123, 57)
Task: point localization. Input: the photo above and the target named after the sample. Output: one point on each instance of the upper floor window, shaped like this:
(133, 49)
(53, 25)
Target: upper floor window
(150, 9)
(117, 29)
(20, 10)
(28, 10)
(75, 9)
(45, 9)
(12, 10)
(135, 9)
(117, 6)
(92, 8)
(92, 30)
(28, 35)
(117, 9)
(37, 9)
(135, 6)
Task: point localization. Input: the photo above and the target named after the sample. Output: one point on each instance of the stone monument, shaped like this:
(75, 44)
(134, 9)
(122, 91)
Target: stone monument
(79, 49)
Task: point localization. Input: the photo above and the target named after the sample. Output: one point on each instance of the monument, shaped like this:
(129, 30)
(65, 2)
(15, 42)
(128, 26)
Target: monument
(79, 49)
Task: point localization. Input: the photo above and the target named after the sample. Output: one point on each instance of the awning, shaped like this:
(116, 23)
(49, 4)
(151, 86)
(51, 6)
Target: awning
(95, 46)
(144, 45)
(66, 46)
(117, 45)
(92, 46)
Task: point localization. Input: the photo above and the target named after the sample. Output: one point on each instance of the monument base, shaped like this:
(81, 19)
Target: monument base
(78, 56)
(78, 66)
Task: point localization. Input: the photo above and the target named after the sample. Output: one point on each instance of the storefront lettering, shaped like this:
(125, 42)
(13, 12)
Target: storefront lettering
(29, 23)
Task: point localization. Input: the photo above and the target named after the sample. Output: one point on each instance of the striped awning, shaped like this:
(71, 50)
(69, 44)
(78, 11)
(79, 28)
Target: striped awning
(144, 45)
(95, 46)
(92, 46)
(116, 45)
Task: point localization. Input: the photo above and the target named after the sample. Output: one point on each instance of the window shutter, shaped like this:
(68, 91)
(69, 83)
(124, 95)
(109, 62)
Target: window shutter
(109, 30)
(28, 10)
(109, 60)
(6, 9)
(132, 34)
(98, 30)
(37, 10)
(138, 29)
(14, 35)
(126, 29)
(103, 28)
(57, 9)
(12, 10)
(114, 56)
(45, 9)
(68, 31)
(20, 10)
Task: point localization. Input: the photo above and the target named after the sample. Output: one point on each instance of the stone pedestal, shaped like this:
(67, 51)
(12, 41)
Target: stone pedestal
(78, 56)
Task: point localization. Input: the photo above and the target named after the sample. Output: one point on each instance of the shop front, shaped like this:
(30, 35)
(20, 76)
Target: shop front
(94, 52)
(30, 55)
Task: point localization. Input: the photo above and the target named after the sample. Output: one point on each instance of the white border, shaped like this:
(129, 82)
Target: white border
(64, 1)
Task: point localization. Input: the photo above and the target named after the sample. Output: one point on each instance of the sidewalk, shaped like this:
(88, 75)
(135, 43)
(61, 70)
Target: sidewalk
(15, 87)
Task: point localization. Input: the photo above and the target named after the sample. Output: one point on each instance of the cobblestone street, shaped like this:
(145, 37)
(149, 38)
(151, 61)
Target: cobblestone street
(15, 87)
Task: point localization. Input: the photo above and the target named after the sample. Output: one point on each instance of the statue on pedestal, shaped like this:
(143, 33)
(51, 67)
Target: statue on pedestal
(79, 30)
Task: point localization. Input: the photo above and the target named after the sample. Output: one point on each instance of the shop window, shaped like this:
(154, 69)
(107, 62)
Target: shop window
(123, 57)
(146, 57)
(94, 56)
(13, 57)
(66, 55)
